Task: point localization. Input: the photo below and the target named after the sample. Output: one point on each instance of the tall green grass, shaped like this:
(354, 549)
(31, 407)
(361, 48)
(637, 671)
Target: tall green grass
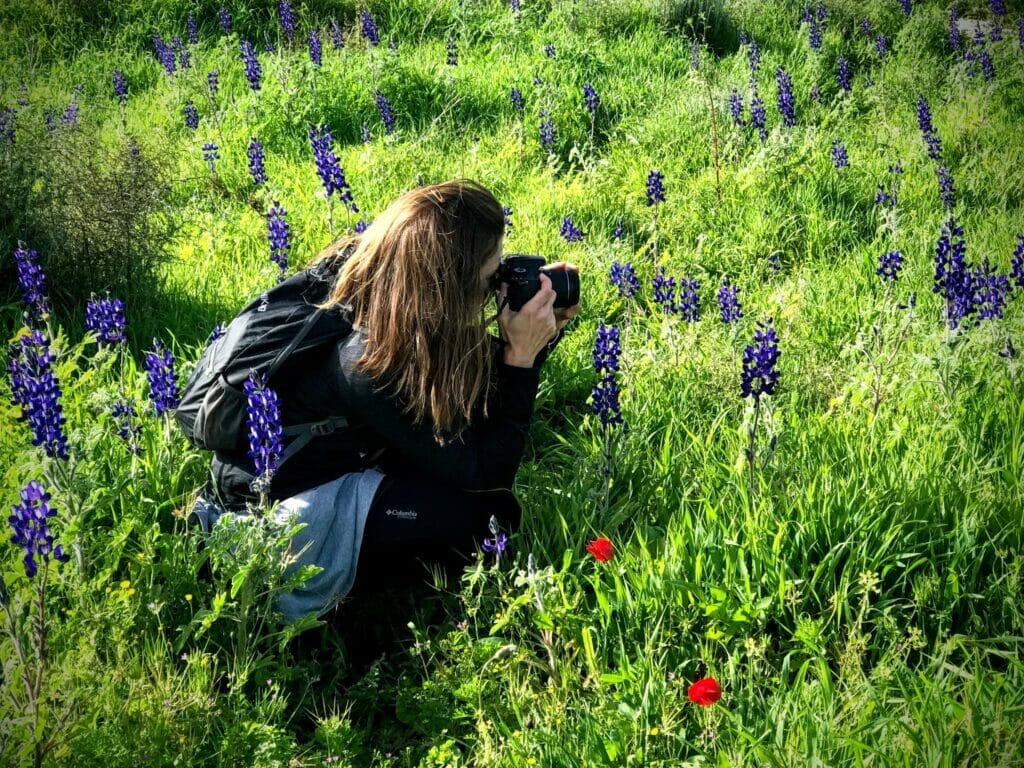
(864, 610)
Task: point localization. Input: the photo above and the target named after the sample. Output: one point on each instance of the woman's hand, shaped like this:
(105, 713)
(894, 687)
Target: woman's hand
(528, 331)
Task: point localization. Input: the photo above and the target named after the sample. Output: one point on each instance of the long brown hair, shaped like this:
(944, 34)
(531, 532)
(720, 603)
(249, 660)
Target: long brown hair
(412, 279)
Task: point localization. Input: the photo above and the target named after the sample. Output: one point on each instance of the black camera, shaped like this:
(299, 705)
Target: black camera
(522, 273)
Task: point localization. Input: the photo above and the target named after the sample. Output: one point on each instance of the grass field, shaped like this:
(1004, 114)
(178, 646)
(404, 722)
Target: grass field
(842, 553)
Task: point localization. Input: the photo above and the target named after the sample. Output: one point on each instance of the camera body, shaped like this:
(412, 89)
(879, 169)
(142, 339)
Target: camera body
(522, 274)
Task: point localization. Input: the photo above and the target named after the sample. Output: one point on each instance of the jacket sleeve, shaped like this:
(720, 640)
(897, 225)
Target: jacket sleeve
(487, 453)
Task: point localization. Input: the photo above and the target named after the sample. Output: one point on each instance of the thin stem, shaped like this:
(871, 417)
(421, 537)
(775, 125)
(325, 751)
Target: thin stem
(751, 454)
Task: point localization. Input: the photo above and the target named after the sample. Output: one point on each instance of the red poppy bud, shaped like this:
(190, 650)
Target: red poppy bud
(705, 692)
(601, 549)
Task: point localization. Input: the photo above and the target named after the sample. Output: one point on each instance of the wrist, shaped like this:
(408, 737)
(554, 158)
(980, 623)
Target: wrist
(517, 359)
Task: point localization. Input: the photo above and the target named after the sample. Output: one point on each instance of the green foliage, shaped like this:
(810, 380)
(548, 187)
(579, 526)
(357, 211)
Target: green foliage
(865, 609)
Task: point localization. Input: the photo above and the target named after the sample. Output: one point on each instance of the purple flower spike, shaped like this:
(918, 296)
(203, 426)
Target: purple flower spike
(369, 27)
(624, 278)
(689, 299)
(889, 266)
(655, 188)
(665, 291)
(35, 388)
(387, 115)
(105, 317)
(263, 419)
(606, 364)
(279, 236)
(256, 164)
(120, 87)
(252, 65)
(31, 530)
(786, 106)
(163, 382)
(760, 376)
(736, 107)
(32, 281)
(729, 302)
(570, 231)
(316, 52)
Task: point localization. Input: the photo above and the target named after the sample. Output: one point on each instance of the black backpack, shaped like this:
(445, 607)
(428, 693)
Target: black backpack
(282, 323)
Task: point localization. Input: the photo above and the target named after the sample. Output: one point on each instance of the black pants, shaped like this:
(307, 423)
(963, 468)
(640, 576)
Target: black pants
(413, 526)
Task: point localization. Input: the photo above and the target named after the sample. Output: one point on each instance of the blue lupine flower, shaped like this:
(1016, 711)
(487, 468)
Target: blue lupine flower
(815, 93)
(754, 58)
(51, 119)
(120, 87)
(252, 64)
(996, 34)
(453, 52)
(924, 122)
(946, 192)
(620, 228)
(806, 15)
(606, 350)
(163, 382)
(1017, 262)
(165, 55)
(624, 278)
(844, 75)
(105, 317)
(497, 544)
(316, 53)
(210, 155)
(889, 266)
(536, 80)
(328, 166)
(814, 34)
(517, 100)
(998, 7)
(665, 291)
(865, 26)
(287, 18)
(822, 11)
(127, 429)
(907, 7)
(392, 44)
(549, 51)
(689, 299)
(514, 4)
(547, 131)
(744, 36)
(988, 67)
(31, 531)
(278, 235)
(606, 364)
(729, 302)
(882, 45)
(216, 333)
(266, 436)
(570, 231)
(758, 116)
(387, 115)
(369, 26)
(32, 280)
(360, 226)
(184, 58)
(337, 35)
(34, 387)
(655, 188)
(192, 26)
(786, 106)
(990, 290)
(736, 107)
(8, 124)
(256, 166)
(364, 134)
(953, 278)
(591, 99)
(888, 198)
(508, 219)
(955, 40)
(225, 19)
(839, 156)
(191, 115)
(213, 82)
(70, 115)
(760, 375)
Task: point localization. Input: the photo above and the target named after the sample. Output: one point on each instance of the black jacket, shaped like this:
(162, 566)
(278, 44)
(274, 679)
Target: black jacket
(325, 383)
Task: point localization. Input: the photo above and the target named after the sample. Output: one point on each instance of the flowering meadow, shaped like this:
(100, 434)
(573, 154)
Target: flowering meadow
(774, 491)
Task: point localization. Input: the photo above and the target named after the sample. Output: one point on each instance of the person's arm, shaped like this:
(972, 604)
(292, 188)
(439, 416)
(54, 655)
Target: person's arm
(485, 456)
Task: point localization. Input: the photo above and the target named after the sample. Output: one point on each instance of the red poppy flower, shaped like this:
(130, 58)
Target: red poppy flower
(601, 549)
(705, 691)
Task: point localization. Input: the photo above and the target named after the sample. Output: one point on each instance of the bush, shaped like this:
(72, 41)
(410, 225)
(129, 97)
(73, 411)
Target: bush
(97, 213)
(705, 20)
